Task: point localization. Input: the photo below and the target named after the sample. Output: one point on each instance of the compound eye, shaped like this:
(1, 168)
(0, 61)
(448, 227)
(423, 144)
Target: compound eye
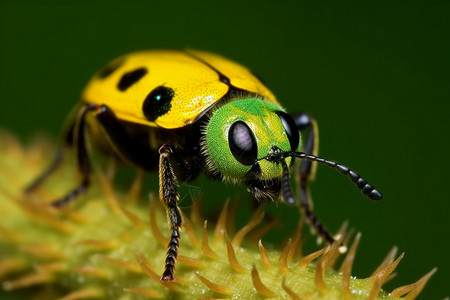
(242, 143)
(291, 129)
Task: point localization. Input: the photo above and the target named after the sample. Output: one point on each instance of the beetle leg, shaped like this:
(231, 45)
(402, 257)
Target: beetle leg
(57, 160)
(117, 137)
(169, 196)
(307, 168)
(83, 163)
(185, 167)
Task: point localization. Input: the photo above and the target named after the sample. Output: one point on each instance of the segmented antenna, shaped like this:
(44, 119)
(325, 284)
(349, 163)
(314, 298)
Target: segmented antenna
(361, 183)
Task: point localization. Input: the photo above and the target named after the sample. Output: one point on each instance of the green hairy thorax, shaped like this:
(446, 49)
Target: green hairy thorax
(109, 245)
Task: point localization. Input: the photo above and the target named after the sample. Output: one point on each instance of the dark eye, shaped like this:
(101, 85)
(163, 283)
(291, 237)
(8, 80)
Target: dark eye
(291, 129)
(157, 102)
(242, 143)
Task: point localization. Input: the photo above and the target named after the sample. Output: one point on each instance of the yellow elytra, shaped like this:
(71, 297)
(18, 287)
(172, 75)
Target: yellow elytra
(192, 76)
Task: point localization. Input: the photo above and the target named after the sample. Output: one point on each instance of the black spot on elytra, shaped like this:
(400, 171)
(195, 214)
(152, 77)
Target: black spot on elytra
(130, 78)
(110, 68)
(157, 102)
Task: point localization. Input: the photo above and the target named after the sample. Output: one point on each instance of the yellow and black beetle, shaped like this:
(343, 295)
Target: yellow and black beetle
(185, 112)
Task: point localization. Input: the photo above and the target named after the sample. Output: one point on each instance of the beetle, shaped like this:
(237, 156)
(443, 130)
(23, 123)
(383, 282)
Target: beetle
(181, 113)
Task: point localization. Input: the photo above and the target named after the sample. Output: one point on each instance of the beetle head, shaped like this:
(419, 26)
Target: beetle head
(242, 134)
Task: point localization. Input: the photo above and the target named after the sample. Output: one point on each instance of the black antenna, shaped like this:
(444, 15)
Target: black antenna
(361, 183)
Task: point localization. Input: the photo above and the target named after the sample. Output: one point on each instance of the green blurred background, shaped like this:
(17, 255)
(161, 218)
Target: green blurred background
(375, 74)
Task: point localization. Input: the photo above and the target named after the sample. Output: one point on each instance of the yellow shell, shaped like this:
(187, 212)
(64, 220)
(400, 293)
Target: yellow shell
(197, 79)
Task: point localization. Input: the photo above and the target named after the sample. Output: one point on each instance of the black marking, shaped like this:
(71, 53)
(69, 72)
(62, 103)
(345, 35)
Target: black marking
(110, 68)
(130, 78)
(158, 102)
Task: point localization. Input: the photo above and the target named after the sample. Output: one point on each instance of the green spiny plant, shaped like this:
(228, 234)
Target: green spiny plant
(110, 246)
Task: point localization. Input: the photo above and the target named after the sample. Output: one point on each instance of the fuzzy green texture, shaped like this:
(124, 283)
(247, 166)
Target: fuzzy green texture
(267, 129)
(69, 238)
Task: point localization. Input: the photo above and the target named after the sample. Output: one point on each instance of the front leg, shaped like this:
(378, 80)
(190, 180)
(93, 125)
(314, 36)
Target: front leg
(306, 170)
(77, 134)
(169, 196)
